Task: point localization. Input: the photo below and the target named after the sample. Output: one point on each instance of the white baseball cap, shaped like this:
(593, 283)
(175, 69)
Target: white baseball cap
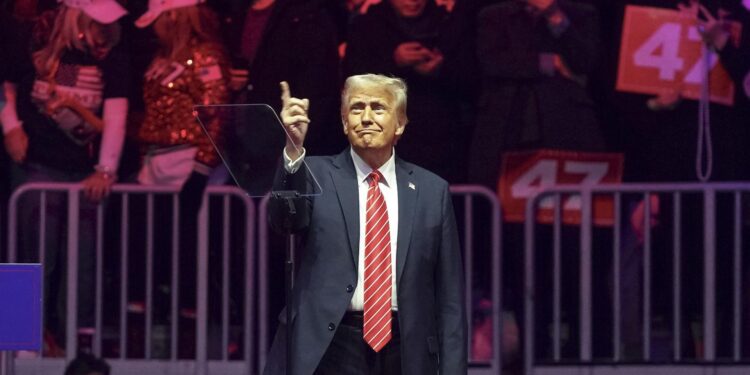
(156, 7)
(102, 11)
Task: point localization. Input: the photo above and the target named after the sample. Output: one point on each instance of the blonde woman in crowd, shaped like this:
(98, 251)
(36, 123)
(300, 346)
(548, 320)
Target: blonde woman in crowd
(190, 68)
(65, 122)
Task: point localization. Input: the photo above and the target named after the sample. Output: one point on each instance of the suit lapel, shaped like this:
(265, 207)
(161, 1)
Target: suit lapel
(345, 179)
(407, 202)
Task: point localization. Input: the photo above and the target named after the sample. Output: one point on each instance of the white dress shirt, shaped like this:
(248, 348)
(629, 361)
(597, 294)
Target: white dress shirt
(389, 189)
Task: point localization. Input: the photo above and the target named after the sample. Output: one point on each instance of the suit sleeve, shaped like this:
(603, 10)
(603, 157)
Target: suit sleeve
(449, 278)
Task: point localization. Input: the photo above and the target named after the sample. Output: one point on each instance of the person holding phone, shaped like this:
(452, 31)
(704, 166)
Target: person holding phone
(432, 50)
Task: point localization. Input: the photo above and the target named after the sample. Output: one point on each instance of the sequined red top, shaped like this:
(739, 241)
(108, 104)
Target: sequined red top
(170, 91)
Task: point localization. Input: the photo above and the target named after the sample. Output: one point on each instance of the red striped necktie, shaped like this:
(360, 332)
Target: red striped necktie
(378, 284)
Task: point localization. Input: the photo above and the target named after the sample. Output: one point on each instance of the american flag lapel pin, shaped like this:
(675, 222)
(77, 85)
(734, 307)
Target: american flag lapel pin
(412, 186)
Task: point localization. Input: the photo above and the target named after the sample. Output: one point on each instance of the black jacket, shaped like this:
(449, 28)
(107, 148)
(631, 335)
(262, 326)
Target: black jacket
(299, 45)
(520, 106)
(436, 135)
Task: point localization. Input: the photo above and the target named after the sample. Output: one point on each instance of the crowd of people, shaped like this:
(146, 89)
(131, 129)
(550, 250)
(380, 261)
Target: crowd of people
(102, 91)
(485, 77)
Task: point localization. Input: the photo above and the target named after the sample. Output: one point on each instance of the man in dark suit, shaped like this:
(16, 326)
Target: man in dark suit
(380, 284)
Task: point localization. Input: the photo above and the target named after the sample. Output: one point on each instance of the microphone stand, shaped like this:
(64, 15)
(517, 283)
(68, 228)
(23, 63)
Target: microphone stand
(288, 196)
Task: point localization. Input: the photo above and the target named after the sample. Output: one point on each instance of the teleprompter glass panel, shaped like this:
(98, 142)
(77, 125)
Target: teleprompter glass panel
(250, 139)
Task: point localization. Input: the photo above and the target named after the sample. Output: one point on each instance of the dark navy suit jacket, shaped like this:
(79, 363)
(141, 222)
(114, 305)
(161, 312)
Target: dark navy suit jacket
(429, 278)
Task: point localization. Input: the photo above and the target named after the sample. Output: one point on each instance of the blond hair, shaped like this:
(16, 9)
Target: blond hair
(73, 29)
(177, 28)
(394, 86)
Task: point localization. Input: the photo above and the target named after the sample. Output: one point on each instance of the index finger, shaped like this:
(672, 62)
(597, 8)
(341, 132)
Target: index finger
(284, 93)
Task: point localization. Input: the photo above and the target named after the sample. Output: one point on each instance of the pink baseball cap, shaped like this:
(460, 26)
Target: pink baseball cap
(102, 11)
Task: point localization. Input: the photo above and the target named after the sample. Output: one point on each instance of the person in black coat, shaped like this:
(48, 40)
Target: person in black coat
(535, 58)
(287, 40)
(432, 50)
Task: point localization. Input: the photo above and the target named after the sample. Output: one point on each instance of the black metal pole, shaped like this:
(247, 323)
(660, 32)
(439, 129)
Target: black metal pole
(289, 196)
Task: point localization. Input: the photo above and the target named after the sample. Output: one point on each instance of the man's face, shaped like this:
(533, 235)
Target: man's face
(409, 8)
(371, 120)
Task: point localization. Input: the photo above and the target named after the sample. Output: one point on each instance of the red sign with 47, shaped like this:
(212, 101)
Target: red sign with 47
(662, 51)
(526, 173)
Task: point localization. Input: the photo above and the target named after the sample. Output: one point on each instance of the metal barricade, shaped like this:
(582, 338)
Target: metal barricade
(464, 196)
(718, 206)
(228, 198)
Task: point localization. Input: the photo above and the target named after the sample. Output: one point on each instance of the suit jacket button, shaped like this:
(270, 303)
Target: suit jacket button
(331, 326)
(349, 288)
